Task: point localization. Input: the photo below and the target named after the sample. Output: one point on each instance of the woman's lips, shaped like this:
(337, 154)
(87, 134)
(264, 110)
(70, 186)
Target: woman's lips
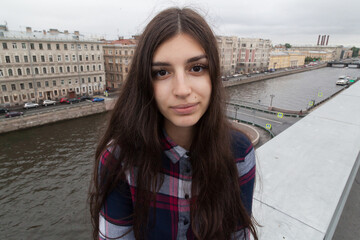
(184, 109)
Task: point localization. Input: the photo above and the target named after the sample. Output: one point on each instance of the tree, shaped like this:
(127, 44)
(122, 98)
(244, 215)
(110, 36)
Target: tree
(355, 51)
(287, 45)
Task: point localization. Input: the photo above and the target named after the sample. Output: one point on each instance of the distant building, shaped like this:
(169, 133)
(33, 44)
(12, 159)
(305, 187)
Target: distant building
(39, 65)
(117, 57)
(254, 55)
(286, 59)
(336, 52)
(243, 55)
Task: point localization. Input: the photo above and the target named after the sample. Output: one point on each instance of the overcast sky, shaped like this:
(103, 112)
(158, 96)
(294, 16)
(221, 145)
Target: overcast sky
(282, 21)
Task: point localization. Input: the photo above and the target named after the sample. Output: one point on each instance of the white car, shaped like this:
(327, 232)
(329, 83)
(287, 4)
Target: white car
(49, 102)
(30, 105)
(342, 82)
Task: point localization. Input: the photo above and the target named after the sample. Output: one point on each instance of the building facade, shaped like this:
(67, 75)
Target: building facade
(254, 55)
(328, 53)
(39, 65)
(286, 59)
(228, 53)
(117, 58)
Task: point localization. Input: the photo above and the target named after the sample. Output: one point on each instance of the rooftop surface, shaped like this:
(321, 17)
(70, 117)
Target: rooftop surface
(306, 172)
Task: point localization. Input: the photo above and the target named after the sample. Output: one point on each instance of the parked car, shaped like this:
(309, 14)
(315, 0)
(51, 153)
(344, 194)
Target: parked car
(13, 114)
(63, 100)
(83, 98)
(72, 100)
(30, 105)
(342, 82)
(3, 110)
(97, 99)
(49, 102)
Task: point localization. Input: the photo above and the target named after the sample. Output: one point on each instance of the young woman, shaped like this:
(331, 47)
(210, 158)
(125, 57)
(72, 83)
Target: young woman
(169, 165)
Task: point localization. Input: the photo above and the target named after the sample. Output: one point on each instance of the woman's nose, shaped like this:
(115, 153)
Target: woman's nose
(181, 86)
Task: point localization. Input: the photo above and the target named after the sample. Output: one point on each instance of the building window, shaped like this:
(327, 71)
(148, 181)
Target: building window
(63, 92)
(54, 82)
(68, 69)
(14, 46)
(42, 58)
(79, 46)
(99, 67)
(40, 94)
(13, 87)
(94, 79)
(36, 71)
(94, 68)
(62, 82)
(49, 46)
(81, 68)
(110, 51)
(80, 57)
(67, 58)
(6, 98)
(52, 70)
(57, 46)
(10, 72)
(97, 47)
(38, 84)
(59, 58)
(26, 58)
(40, 46)
(74, 58)
(1, 73)
(22, 86)
(44, 70)
(85, 46)
(4, 45)
(90, 88)
(17, 59)
(100, 78)
(55, 92)
(60, 69)
(89, 80)
(93, 57)
(19, 72)
(34, 58)
(82, 80)
(69, 81)
(23, 45)
(3, 88)
(50, 58)
(30, 85)
(27, 71)
(92, 47)
(86, 57)
(65, 47)
(88, 68)
(32, 46)
(75, 69)
(46, 83)
(7, 59)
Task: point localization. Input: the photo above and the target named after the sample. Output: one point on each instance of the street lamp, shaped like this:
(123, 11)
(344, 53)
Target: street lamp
(236, 109)
(272, 96)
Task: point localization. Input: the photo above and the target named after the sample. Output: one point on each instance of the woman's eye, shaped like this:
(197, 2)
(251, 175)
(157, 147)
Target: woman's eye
(161, 73)
(197, 68)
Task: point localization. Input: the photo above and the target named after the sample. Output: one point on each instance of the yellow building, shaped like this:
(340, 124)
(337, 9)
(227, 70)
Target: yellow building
(323, 55)
(286, 59)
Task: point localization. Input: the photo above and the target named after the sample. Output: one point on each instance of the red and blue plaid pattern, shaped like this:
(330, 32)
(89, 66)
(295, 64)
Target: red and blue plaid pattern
(174, 196)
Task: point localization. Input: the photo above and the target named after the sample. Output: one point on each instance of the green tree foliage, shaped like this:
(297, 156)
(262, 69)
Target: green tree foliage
(310, 59)
(287, 45)
(355, 51)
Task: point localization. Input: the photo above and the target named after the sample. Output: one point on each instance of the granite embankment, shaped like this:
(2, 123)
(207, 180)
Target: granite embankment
(54, 114)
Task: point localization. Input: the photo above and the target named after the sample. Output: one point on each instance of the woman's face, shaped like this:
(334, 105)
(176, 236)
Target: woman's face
(181, 81)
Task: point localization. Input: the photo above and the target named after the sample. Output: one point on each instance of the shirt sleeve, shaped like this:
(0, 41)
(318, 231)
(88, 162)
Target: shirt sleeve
(115, 217)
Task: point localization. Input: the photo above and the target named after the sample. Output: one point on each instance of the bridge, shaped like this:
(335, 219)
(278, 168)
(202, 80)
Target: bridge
(306, 174)
(345, 64)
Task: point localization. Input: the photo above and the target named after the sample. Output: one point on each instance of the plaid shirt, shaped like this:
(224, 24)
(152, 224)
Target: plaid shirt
(174, 196)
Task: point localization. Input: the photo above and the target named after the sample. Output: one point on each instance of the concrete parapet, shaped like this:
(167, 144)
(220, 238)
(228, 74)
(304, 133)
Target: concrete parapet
(251, 132)
(305, 172)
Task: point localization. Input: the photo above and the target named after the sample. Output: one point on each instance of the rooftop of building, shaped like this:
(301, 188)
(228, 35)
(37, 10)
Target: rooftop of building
(43, 35)
(121, 42)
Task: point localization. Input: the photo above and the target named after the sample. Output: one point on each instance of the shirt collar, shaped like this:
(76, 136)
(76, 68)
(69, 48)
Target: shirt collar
(172, 150)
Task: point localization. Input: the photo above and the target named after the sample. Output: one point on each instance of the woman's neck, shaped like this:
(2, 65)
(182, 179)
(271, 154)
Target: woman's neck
(182, 136)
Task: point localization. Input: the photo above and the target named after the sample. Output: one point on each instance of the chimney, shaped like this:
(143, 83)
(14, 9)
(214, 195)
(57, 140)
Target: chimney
(66, 31)
(28, 29)
(44, 32)
(327, 40)
(53, 31)
(77, 33)
(323, 40)
(318, 40)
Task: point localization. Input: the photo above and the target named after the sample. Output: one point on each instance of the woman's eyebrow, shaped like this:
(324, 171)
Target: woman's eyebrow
(194, 59)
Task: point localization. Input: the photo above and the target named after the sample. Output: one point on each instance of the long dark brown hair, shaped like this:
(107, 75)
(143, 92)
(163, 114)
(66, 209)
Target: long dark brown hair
(136, 127)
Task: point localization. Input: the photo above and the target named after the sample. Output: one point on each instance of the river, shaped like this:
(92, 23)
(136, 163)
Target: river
(45, 171)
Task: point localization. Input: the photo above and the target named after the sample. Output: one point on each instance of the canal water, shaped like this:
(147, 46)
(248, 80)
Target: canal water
(293, 92)
(45, 171)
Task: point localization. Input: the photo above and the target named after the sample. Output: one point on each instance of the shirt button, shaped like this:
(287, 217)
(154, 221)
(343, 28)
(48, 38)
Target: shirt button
(186, 222)
(186, 196)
